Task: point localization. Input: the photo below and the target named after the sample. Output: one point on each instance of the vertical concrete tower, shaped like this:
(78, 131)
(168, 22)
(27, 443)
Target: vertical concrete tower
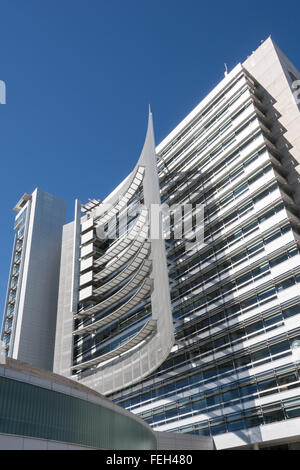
(29, 320)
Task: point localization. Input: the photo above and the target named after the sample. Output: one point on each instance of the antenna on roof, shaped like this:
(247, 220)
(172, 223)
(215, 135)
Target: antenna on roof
(226, 70)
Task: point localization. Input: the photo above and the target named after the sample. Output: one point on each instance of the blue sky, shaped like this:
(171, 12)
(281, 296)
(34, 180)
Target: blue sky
(80, 75)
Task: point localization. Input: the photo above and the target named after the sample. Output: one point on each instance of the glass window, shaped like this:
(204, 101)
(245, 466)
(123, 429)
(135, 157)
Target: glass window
(265, 296)
(285, 284)
(258, 355)
(272, 320)
(231, 395)
(225, 367)
(267, 384)
(286, 379)
(235, 425)
(214, 400)
(253, 421)
(221, 341)
(235, 335)
(293, 412)
(279, 347)
(289, 312)
(218, 429)
(253, 250)
(254, 327)
(241, 189)
(199, 405)
(239, 257)
(242, 361)
(203, 432)
(272, 416)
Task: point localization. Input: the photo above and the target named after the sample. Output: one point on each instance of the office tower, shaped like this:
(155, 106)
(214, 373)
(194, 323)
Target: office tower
(29, 321)
(227, 363)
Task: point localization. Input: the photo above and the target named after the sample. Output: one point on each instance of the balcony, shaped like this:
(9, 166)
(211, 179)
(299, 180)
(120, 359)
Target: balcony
(140, 294)
(130, 192)
(120, 294)
(136, 232)
(124, 274)
(139, 245)
(148, 329)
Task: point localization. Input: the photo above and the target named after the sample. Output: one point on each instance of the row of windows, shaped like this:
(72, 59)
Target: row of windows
(236, 392)
(211, 233)
(231, 197)
(232, 262)
(221, 369)
(233, 175)
(240, 233)
(193, 180)
(279, 411)
(245, 305)
(216, 134)
(210, 323)
(202, 181)
(201, 116)
(212, 230)
(234, 285)
(232, 395)
(249, 331)
(195, 156)
(236, 193)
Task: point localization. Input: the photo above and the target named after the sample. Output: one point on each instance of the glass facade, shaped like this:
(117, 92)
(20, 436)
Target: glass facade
(235, 299)
(32, 411)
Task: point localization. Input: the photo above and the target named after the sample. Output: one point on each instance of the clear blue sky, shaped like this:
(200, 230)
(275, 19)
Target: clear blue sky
(80, 75)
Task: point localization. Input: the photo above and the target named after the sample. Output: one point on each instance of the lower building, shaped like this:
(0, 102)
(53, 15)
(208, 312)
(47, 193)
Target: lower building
(44, 411)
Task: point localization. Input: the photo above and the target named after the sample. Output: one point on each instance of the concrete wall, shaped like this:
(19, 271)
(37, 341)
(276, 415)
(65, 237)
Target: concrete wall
(11, 442)
(270, 67)
(63, 352)
(177, 441)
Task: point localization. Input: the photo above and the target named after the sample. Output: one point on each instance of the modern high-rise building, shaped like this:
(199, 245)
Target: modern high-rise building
(199, 333)
(202, 338)
(29, 320)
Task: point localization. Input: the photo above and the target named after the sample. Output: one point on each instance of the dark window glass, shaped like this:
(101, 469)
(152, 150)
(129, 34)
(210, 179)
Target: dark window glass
(231, 395)
(267, 384)
(235, 425)
(218, 429)
(292, 412)
(280, 347)
(254, 327)
(272, 416)
(285, 284)
(248, 390)
(214, 400)
(258, 355)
